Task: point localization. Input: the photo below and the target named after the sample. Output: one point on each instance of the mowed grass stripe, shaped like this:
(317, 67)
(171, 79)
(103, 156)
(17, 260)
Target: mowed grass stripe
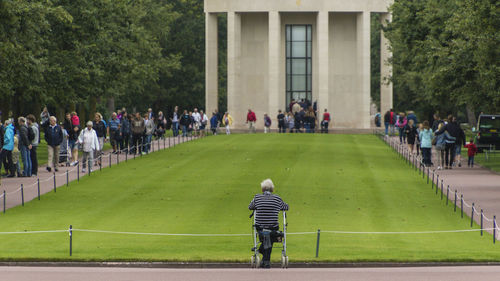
(332, 182)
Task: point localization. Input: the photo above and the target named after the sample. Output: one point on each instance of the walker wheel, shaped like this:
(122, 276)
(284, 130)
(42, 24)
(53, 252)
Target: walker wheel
(283, 262)
(252, 261)
(257, 261)
(286, 262)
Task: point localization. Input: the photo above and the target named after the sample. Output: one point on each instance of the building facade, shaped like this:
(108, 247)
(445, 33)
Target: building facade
(279, 50)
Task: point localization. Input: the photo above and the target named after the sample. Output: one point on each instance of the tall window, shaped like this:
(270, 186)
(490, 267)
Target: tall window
(298, 62)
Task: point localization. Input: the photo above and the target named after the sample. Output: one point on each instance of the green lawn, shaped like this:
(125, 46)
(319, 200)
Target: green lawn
(331, 182)
(493, 162)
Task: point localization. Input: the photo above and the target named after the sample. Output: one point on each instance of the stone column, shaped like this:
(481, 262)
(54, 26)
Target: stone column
(322, 25)
(363, 69)
(233, 63)
(274, 63)
(211, 64)
(385, 69)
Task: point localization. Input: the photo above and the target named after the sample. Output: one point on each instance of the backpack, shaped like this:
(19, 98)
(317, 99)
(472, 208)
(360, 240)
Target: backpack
(31, 134)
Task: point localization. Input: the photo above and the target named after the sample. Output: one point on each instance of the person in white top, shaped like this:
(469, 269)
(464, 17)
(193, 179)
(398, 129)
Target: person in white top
(204, 122)
(89, 143)
(197, 121)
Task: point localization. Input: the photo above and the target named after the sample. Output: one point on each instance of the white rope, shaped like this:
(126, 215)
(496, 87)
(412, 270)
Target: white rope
(486, 218)
(33, 232)
(402, 232)
(465, 203)
(15, 191)
(158, 234)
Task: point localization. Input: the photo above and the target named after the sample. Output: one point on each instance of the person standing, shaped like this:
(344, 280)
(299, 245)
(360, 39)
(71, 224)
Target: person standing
(161, 125)
(325, 122)
(196, 121)
(150, 114)
(227, 121)
(411, 135)
(54, 138)
(251, 119)
(32, 126)
(290, 120)
(137, 128)
(7, 148)
(175, 121)
(436, 122)
(24, 146)
(267, 123)
(214, 123)
(204, 122)
(75, 120)
(401, 124)
(461, 140)
(113, 130)
(185, 122)
(392, 121)
(281, 122)
(426, 144)
(471, 152)
(90, 143)
(100, 128)
(125, 130)
(453, 129)
(148, 134)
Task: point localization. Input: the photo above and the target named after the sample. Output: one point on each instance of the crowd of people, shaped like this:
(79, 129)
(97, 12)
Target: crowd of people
(126, 133)
(300, 117)
(444, 136)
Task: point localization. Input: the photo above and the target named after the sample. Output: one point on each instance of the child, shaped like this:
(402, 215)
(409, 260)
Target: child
(471, 151)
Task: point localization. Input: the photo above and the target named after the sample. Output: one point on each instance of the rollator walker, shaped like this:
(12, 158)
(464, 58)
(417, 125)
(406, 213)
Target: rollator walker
(280, 237)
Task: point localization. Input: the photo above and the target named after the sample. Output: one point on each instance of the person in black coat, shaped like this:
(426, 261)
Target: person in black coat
(454, 130)
(411, 135)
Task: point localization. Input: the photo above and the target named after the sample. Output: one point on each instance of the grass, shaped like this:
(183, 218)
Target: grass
(331, 182)
(493, 163)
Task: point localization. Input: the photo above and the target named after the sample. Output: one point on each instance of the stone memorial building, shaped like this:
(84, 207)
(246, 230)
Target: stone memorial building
(278, 50)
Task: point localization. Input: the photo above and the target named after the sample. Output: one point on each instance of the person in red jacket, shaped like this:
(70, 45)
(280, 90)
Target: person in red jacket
(251, 119)
(471, 152)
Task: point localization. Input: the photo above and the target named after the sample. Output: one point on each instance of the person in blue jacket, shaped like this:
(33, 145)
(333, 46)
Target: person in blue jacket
(8, 146)
(214, 122)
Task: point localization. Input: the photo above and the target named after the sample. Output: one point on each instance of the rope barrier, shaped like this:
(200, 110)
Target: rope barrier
(33, 232)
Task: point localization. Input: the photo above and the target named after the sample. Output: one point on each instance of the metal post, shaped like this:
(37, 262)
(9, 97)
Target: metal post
(427, 175)
(461, 205)
(55, 190)
(494, 228)
(481, 222)
(100, 164)
(67, 178)
(109, 160)
(22, 194)
(433, 174)
(77, 172)
(447, 194)
(472, 216)
(38, 184)
(164, 140)
(117, 159)
(70, 240)
(317, 243)
(4, 201)
(455, 207)
(126, 156)
(169, 142)
(442, 191)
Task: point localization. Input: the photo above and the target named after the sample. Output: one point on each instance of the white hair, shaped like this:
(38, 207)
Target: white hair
(267, 185)
(53, 118)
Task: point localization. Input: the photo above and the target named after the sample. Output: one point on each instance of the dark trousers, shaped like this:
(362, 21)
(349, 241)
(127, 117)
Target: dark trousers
(426, 153)
(281, 127)
(137, 142)
(34, 160)
(125, 141)
(471, 161)
(449, 150)
(402, 135)
(266, 253)
(7, 155)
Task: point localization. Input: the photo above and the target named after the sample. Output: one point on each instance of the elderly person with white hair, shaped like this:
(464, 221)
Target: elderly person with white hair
(54, 138)
(90, 143)
(267, 207)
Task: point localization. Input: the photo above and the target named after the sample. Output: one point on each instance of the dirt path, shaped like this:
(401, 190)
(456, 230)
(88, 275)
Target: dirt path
(45, 181)
(478, 185)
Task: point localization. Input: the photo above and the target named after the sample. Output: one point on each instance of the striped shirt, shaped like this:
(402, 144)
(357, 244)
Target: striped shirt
(267, 207)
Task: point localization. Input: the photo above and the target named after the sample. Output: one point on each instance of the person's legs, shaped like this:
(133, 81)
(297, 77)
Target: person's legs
(85, 158)
(452, 154)
(112, 139)
(227, 130)
(56, 156)
(50, 157)
(91, 160)
(472, 161)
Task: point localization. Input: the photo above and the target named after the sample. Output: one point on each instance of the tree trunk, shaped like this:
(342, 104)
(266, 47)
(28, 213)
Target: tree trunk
(471, 116)
(110, 104)
(92, 107)
(82, 113)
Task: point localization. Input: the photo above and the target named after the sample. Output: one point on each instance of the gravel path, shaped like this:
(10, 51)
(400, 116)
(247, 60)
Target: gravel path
(466, 273)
